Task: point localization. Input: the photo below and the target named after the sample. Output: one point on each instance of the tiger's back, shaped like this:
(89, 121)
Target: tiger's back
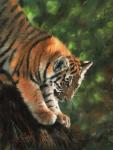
(17, 36)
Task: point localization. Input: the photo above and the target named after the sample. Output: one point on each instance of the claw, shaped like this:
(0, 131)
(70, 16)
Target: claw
(64, 120)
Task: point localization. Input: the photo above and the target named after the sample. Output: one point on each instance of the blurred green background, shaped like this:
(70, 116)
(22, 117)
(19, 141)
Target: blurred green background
(86, 27)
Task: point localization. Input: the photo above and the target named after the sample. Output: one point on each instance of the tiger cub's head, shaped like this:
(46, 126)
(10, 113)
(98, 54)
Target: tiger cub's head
(64, 73)
(68, 74)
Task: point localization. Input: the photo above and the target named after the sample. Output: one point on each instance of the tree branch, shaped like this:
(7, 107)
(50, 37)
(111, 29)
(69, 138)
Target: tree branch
(19, 130)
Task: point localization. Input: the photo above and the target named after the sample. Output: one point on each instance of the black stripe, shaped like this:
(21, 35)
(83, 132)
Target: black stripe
(33, 35)
(71, 63)
(56, 75)
(6, 38)
(12, 55)
(39, 61)
(50, 106)
(48, 101)
(70, 60)
(31, 77)
(45, 71)
(36, 42)
(72, 67)
(47, 95)
(58, 78)
(20, 64)
(73, 71)
(16, 69)
(27, 33)
(7, 50)
(3, 61)
(37, 75)
(43, 86)
(27, 61)
(58, 85)
(38, 39)
(16, 17)
(44, 37)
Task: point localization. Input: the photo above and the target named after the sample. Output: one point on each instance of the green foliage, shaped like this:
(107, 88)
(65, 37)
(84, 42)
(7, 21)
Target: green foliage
(86, 26)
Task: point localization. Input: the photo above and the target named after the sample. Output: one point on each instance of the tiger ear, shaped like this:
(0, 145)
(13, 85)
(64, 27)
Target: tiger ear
(85, 65)
(60, 64)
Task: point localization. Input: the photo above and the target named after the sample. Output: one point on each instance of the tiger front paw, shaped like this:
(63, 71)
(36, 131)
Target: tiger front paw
(45, 117)
(64, 120)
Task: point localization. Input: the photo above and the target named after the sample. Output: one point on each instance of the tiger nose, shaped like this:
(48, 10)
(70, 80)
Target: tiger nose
(68, 95)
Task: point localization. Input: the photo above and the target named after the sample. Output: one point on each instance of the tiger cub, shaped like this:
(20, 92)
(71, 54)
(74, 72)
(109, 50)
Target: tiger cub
(44, 70)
